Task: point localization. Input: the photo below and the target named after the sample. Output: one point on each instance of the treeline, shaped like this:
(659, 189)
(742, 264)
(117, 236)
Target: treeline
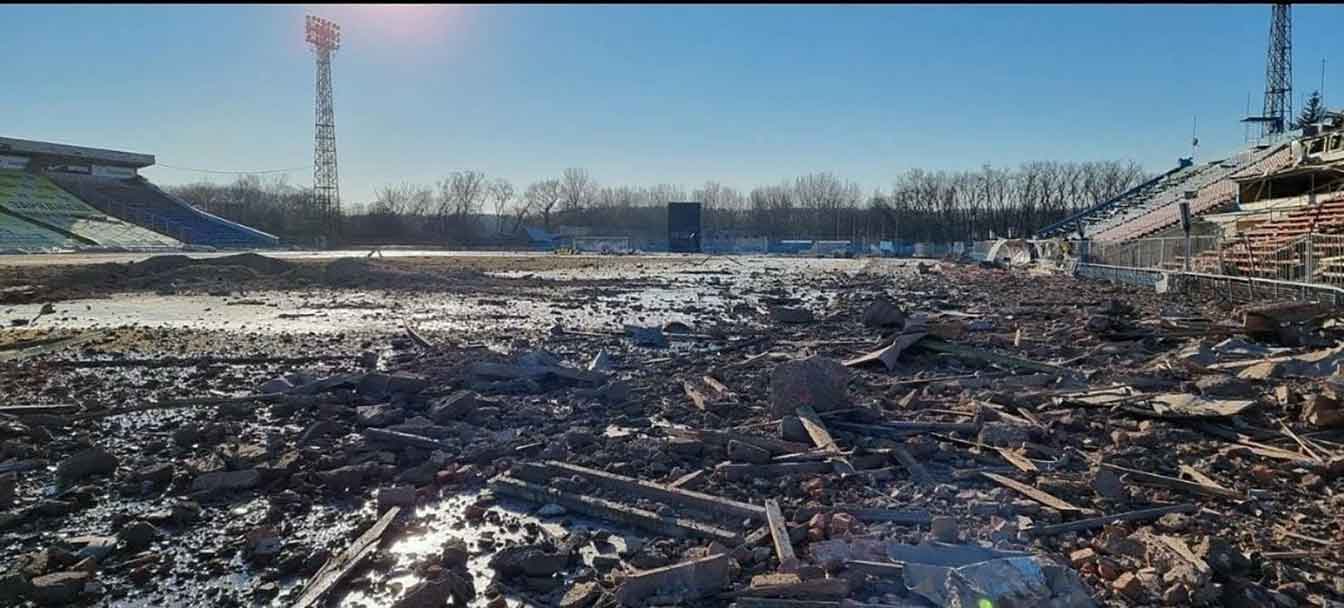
(471, 208)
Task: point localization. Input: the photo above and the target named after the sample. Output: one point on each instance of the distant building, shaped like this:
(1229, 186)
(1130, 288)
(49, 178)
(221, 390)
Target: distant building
(684, 227)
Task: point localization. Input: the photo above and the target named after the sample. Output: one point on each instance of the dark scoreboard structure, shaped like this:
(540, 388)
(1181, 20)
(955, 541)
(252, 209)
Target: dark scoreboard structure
(683, 227)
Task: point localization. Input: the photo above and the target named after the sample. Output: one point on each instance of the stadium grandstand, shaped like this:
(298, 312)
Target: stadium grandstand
(1154, 205)
(36, 200)
(56, 197)
(1273, 211)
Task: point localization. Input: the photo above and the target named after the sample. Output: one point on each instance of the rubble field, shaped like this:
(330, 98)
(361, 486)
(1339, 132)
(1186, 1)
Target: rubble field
(604, 431)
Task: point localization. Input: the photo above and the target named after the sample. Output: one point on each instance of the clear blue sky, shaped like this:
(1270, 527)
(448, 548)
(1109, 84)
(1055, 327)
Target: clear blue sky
(744, 95)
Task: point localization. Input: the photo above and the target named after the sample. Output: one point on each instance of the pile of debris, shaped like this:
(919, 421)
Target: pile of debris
(944, 437)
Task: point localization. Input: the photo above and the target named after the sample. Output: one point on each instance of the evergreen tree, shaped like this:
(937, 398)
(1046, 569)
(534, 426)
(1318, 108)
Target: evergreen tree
(1313, 112)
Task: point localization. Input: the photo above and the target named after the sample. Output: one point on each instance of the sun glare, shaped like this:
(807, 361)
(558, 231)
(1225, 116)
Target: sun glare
(395, 24)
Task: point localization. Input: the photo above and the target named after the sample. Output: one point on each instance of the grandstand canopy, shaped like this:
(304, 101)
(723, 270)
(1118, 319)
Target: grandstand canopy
(48, 153)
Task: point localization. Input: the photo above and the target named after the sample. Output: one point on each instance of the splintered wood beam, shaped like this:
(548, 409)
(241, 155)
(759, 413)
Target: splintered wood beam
(735, 471)
(1101, 522)
(613, 511)
(1031, 492)
(774, 446)
(338, 568)
(667, 494)
(816, 429)
(688, 479)
(779, 533)
(1018, 460)
(1154, 479)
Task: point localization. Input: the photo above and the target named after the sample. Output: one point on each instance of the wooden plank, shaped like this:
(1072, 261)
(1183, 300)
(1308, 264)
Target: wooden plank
(1179, 547)
(613, 511)
(1268, 451)
(415, 336)
(1283, 555)
(701, 396)
(1311, 539)
(399, 438)
(692, 579)
(915, 381)
(774, 446)
(20, 466)
(341, 566)
(758, 537)
(816, 429)
(178, 404)
(966, 352)
(1030, 492)
(1199, 476)
(50, 346)
(1153, 479)
(779, 533)
(677, 496)
(735, 471)
(890, 570)
(1021, 462)
(715, 385)
(691, 478)
(21, 410)
(1302, 444)
(1100, 522)
(816, 588)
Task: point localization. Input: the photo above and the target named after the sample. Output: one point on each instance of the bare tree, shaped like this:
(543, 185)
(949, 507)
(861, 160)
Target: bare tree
(501, 194)
(920, 206)
(461, 195)
(576, 190)
(542, 197)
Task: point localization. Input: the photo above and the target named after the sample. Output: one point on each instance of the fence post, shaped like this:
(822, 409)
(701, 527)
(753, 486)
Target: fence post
(1311, 259)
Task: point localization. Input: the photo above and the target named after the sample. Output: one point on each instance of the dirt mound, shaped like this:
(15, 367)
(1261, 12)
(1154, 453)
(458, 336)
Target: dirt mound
(347, 271)
(364, 273)
(93, 276)
(255, 261)
(195, 275)
(165, 263)
(159, 264)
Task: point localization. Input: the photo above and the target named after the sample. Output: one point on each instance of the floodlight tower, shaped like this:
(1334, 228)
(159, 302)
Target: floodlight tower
(325, 37)
(1278, 74)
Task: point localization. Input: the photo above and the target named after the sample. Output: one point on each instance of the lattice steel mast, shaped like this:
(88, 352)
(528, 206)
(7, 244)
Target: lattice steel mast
(325, 37)
(1279, 73)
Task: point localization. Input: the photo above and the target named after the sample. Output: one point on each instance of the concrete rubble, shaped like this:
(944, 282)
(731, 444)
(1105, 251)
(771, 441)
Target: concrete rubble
(1028, 440)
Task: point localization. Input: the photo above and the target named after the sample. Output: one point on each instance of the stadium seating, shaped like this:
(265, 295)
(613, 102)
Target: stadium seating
(1276, 248)
(138, 201)
(1214, 187)
(38, 201)
(1119, 205)
(18, 235)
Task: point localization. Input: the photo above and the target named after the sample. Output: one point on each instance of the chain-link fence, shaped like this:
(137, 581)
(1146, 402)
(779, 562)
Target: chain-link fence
(1307, 258)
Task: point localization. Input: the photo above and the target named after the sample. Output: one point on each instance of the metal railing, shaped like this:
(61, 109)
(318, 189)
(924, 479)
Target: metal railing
(1311, 258)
